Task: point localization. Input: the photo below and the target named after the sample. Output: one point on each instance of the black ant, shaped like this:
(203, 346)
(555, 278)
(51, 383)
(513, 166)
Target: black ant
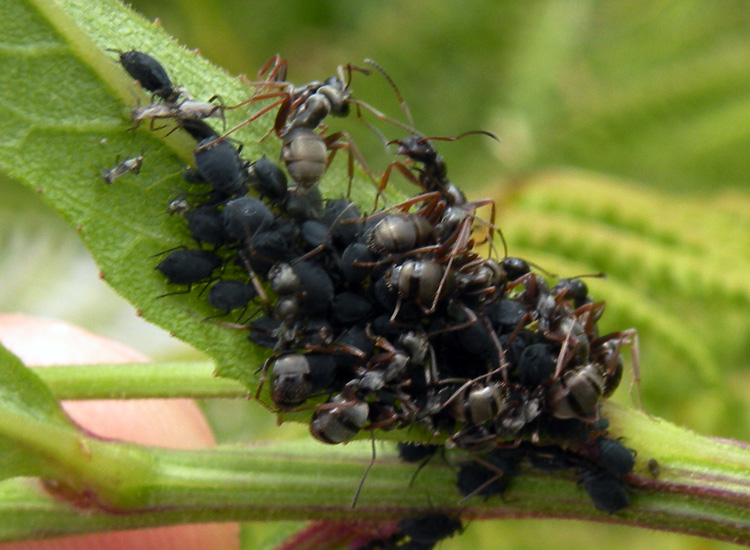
(301, 111)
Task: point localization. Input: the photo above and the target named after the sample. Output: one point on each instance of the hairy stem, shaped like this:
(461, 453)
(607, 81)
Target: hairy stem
(703, 487)
(138, 381)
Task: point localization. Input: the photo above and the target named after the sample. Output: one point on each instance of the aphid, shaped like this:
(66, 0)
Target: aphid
(125, 167)
(229, 294)
(185, 267)
(149, 73)
(613, 456)
(219, 164)
(354, 262)
(535, 365)
(178, 206)
(267, 248)
(198, 129)
(343, 221)
(245, 217)
(268, 179)
(304, 204)
(608, 493)
(205, 225)
(314, 233)
(478, 339)
(505, 315)
(351, 307)
(488, 476)
(653, 467)
(429, 529)
(187, 110)
(416, 452)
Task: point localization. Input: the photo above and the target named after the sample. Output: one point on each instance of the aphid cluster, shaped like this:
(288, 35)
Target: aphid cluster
(391, 317)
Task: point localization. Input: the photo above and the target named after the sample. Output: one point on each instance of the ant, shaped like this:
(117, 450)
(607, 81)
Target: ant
(301, 110)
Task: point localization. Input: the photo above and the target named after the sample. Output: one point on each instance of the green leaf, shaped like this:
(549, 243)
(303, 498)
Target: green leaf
(70, 122)
(80, 104)
(25, 402)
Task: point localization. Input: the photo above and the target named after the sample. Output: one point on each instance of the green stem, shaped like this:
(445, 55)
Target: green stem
(138, 381)
(703, 488)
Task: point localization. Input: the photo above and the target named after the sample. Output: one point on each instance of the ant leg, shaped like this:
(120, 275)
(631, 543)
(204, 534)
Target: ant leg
(322, 245)
(462, 239)
(419, 469)
(387, 174)
(491, 226)
(367, 471)
(333, 143)
(488, 466)
(278, 66)
(561, 356)
(635, 354)
(219, 108)
(242, 124)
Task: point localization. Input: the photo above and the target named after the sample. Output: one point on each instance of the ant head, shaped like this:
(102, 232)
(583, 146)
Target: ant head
(417, 148)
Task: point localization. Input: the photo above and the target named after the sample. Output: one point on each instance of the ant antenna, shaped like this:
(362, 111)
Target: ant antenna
(401, 100)
(460, 136)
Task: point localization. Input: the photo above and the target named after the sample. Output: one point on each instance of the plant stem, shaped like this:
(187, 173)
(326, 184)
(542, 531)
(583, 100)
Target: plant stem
(138, 380)
(703, 488)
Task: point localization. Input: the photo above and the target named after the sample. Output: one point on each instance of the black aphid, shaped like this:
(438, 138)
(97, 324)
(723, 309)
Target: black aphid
(205, 225)
(228, 294)
(149, 72)
(491, 478)
(416, 452)
(430, 528)
(268, 179)
(185, 267)
(245, 217)
(608, 493)
(613, 456)
(536, 365)
(219, 164)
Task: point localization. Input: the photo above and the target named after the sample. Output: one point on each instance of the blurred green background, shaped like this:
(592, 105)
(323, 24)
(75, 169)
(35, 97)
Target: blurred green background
(624, 128)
